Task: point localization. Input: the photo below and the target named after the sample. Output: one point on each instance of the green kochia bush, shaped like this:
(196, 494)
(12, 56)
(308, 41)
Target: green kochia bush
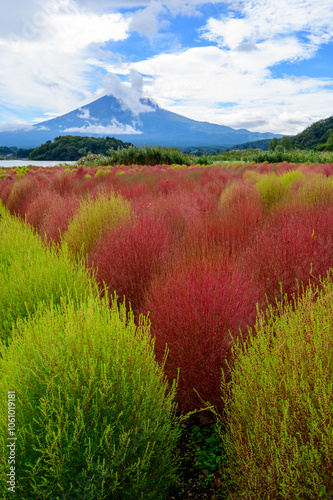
(95, 415)
(93, 218)
(279, 436)
(31, 273)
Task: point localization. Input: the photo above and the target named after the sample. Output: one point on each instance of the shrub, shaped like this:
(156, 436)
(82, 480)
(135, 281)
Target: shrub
(274, 189)
(93, 218)
(95, 417)
(31, 273)
(38, 209)
(316, 191)
(194, 308)
(63, 183)
(60, 212)
(6, 186)
(241, 215)
(22, 192)
(127, 257)
(278, 405)
(295, 245)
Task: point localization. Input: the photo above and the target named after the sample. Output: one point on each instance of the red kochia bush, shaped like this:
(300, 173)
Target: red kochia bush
(192, 308)
(60, 212)
(22, 193)
(127, 257)
(294, 245)
(39, 207)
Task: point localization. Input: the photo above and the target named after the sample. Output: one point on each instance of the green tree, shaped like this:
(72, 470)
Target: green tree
(286, 143)
(272, 144)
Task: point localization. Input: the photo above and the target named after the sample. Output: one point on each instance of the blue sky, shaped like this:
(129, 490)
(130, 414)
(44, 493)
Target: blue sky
(262, 65)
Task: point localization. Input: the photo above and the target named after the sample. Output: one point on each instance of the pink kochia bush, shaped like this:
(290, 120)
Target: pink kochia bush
(129, 256)
(196, 309)
(294, 246)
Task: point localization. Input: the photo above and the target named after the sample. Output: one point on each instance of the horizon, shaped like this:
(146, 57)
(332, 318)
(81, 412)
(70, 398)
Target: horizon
(245, 65)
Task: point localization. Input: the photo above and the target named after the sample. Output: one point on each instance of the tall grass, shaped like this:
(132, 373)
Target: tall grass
(279, 428)
(95, 416)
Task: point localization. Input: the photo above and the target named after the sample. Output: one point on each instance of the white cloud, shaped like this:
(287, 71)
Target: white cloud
(114, 128)
(146, 21)
(198, 81)
(13, 127)
(55, 55)
(265, 20)
(129, 95)
(84, 113)
(53, 63)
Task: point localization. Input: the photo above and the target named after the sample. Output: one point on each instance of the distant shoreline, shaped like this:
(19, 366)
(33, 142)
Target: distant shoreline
(35, 163)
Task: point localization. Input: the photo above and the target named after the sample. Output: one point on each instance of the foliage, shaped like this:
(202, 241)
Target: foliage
(279, 403)
(272, 144)
(274, 189)
(128, 257)
(195, 310)
(93, 218)
(315, 134)
(31, 273)
(292, 156)
(72, 147)
(148, 155)
(294, 246)
(95, 416)
(285, 142)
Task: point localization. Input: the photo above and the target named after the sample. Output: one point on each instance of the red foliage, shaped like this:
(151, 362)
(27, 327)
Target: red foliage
(60, 212)
(38, 208)
(5, 189)
(63, 183)
(241, 214)
(128, 257)
(22, 193)
(295, 244)
(192, 308)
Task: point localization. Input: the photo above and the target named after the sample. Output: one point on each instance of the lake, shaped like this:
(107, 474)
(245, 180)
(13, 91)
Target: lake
(25, 163)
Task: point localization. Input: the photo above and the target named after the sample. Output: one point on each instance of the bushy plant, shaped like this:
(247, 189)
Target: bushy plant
(278, 406)
(38, 208)
(148, 155)
(63, 183)
(274, 189)
(31, 273)
(196, 308)
(316, 191)
(60, 212)
(93, 218)
(128, 257)
(21, 194)
(241, 215)
(95, 416)
(295, 245)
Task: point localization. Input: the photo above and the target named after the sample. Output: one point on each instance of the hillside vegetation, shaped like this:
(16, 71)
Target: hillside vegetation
(70, 147)
(315, 135)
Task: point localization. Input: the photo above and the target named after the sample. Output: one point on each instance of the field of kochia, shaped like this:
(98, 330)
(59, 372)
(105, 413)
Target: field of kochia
(131, 296)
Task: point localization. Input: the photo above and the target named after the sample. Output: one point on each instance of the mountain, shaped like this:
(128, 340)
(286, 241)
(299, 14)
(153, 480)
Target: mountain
(149, 124)
(315, 135)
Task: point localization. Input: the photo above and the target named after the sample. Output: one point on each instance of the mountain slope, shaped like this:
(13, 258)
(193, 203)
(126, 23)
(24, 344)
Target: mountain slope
(314, 135)
(151, 125)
